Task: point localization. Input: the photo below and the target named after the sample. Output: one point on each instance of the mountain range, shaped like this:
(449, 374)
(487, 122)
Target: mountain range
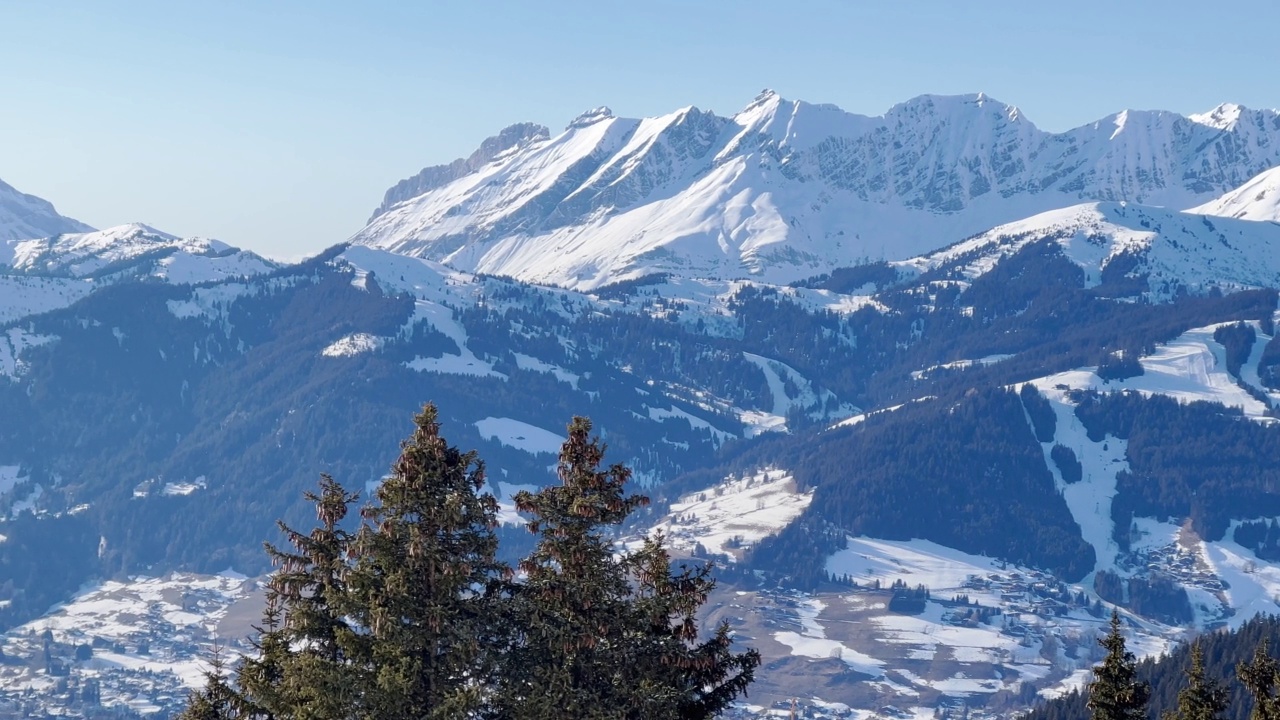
(1037, 373)
(783, 190)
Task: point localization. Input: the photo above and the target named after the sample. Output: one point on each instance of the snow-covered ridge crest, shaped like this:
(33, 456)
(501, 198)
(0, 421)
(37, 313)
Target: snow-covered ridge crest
(1173, 251)
(24, 216)
(510, 138)
(87, 254)
(787, 189)
(1258, 199)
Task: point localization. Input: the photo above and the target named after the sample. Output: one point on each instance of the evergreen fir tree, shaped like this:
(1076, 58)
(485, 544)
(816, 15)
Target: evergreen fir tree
(260, 676)
(413, 617)
(1261, 678)
(1202, 698)
(305, 669)
(217, 700)
(567, 661)
(676, 675)
(1116, 693)
(425, 581)
(603, 636)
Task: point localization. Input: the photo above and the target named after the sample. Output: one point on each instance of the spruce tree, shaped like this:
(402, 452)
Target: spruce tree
(304, 666)
(604, 636)
(217, 700)
(413, 616)
(261, 676)
(570, 607)
(1116, 693)
(676, 675)
(1202, 698)
(425, 581)
(1261, 678)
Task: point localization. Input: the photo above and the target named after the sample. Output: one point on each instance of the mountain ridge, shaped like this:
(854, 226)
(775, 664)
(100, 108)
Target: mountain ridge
(788, 189)
(1258, 199)
(23, 216)
(87, 254)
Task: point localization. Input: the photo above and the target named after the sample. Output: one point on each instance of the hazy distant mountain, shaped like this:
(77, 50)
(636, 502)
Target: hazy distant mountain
(25, 216)
(48, 273)
(103, 251)
(784, 190)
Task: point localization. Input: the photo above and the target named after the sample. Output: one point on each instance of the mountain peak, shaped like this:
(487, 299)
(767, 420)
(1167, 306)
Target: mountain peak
(24, 217)
(131, 248)
(510, 138)
(133, 230)
(591, 117)
(767, 96)
(950, 102)
(1222, 117)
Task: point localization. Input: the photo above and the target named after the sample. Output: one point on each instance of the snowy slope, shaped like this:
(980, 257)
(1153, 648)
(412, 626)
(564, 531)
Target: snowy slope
(732, 516)
(1258, 199)
(86, 254)
(1174, 250)
(784, 190)
(37, 276)
(1190, 368)
(27, 216)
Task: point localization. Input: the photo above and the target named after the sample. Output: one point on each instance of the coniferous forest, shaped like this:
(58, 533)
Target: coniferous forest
(1225, 675)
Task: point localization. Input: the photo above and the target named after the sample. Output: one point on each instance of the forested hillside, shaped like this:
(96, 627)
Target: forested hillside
(1223, 653)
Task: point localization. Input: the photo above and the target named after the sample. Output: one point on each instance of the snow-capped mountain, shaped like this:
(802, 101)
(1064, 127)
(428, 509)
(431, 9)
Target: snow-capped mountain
(1258, 199)
(215, 404)
(785, 190)
(25, 216)
(1167, 252)
(103, 251)
(511, 138)
(37, 276)
(1005, 421)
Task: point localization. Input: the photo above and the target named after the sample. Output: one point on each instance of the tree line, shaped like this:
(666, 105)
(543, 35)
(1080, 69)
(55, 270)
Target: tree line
(411, 614)
(1195, 682)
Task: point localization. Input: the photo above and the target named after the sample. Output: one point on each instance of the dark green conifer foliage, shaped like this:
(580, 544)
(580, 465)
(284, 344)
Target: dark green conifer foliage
(1116, 693)
(261, 676)
(677, 676)
(567, 662)
(1262, 679)
(217, 700)
(1203, 698)
(304, 668)
(413, 617)
(425, 581)
(603, 636)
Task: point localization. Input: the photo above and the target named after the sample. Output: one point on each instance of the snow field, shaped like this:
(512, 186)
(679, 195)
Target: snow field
(520, 435)
(533, 364)
(22, 295)
(464, 363)
(737, 512)
(9, 477)
(812, 642)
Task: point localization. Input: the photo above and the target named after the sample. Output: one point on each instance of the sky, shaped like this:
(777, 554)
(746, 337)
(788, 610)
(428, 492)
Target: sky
(276, 126)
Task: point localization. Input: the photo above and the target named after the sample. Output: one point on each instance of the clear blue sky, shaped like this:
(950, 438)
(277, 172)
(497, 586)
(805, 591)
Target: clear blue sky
(277, 125)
